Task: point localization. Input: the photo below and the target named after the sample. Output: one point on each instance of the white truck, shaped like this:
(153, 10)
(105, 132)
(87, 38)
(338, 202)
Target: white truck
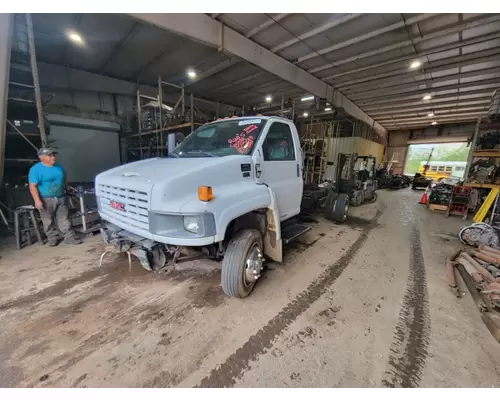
(229, 191)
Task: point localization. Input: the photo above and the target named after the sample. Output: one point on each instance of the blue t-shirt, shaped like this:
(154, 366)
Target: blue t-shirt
(49, 180)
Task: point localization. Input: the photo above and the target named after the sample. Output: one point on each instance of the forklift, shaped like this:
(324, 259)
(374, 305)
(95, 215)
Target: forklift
(356, 177)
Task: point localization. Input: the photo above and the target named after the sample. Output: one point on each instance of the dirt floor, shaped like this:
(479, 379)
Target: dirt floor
(363, 304)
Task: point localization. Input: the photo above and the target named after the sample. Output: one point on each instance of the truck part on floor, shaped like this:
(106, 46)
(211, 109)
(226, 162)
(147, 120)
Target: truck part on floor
(483, 271)
(484, 256)
(476, 296)
(483, 247)
(480, 233)
(450, 275)
(469, 268)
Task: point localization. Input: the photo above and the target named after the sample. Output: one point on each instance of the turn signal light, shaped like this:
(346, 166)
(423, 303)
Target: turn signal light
(205, 193)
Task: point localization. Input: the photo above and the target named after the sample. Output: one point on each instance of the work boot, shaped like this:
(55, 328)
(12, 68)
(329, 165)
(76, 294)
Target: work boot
(53, 242)
(72, 240)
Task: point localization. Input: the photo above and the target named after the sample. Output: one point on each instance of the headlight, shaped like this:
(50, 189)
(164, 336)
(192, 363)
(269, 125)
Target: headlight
(192, 224)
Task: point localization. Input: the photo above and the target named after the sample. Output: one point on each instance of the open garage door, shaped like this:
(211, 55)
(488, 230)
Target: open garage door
(85, 147)
(447, 159)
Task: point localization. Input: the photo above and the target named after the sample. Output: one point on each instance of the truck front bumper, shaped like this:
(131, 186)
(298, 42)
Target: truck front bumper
(171, 229)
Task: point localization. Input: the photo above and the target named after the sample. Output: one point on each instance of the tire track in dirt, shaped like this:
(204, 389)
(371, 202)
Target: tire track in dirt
(408, 351)
(234, 366)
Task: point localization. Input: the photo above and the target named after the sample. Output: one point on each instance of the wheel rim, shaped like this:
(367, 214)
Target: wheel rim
(346, 208)
(253, 265)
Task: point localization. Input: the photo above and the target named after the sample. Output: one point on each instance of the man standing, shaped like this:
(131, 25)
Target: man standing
(47, 186)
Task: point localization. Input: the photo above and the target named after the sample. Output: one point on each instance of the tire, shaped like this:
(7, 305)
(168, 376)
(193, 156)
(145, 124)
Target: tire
(358, 198)
(329, 203)
(413, 187)
(233, 281)
(337, 208)
(374, 197)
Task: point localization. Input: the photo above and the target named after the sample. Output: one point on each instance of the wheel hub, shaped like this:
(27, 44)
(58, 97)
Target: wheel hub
(253, 265)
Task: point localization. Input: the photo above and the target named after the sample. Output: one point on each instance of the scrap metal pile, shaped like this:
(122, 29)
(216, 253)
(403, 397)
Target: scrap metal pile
(480, 270)
(484, 171)
(440, 194)
(386, 180)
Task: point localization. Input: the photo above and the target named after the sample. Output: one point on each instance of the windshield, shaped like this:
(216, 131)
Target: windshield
(225, 138)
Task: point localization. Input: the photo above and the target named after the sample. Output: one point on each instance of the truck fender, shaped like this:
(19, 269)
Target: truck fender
(259, 200)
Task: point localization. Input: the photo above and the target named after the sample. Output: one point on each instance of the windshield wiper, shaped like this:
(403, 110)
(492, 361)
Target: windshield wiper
(201, 152)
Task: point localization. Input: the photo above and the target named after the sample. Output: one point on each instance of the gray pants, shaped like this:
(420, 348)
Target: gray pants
(55, 218)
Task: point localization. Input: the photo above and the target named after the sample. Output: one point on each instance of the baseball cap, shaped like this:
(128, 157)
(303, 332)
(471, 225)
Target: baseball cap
(46, 151)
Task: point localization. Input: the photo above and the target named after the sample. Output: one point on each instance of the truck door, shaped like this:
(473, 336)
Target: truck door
(282, 168)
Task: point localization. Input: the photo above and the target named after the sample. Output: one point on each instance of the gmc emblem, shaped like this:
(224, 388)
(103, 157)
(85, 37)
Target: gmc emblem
(117, 206)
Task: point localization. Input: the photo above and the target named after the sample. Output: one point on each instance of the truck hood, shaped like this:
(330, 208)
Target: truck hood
(171, 182)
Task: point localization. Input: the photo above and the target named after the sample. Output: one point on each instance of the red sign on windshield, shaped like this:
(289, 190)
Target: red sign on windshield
(243, 141)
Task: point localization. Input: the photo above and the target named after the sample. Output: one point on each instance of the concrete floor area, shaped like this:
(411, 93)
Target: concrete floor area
(363, 304)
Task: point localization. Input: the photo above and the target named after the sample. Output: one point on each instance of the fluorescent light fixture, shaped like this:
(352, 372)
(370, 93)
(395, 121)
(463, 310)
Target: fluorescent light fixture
(307, 98)
(191, 73)
(427, 97)
(75, 37)
(415, 64)
(434, 123)
(431, 114)
(269, 98)
(305, 114)
(328, 109)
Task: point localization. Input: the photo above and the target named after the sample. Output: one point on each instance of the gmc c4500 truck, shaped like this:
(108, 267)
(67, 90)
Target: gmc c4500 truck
(230, 191)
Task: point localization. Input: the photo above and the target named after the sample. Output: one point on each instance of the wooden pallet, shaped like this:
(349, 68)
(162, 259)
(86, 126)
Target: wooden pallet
(437, 207)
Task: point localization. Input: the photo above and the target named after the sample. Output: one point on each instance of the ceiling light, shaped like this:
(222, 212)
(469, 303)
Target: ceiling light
(427, 97)
(328, 109)
(431, 114)
(307, 98)
(415, 64)
(434, 123)
(305, 114)
(269, 99)
(191, 73)
(75, 37)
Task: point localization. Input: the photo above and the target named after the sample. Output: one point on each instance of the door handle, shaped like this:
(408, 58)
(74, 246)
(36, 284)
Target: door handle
(298, 171)
(258, 171)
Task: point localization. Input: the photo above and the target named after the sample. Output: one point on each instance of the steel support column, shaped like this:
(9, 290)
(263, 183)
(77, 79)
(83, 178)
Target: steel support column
(201, 27)
(6, 23)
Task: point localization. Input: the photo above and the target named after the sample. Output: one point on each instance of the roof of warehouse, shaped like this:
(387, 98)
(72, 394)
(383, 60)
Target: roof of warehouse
(367, 57)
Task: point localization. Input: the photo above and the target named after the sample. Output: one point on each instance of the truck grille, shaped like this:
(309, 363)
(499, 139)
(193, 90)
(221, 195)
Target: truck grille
(135, 206)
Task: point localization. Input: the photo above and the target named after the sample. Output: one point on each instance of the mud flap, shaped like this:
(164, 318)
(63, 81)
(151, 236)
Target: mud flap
(142, 255)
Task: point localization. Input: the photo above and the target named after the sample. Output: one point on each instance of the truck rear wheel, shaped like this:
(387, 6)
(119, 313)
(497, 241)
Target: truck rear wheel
(336, 207)
(242, 263)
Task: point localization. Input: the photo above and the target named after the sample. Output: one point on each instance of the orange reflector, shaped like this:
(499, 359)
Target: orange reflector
(205, 193)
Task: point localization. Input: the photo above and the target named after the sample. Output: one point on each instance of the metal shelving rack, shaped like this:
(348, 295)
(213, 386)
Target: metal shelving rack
(483, 124)
(163, 122)
(316, 142)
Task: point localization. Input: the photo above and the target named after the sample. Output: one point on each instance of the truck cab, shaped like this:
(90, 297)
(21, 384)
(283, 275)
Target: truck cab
(224, 192)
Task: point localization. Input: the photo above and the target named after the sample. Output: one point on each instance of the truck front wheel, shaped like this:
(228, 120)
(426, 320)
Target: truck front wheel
(242, 263)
